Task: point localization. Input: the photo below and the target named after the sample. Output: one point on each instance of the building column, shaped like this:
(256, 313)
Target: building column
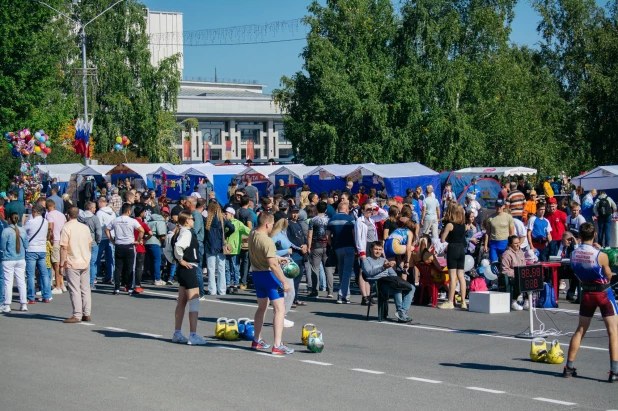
(272, 147)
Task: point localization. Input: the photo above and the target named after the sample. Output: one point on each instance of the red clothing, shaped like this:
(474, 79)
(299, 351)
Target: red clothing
(141, 248)
(362, 199)
(557, 221)
(502, 194)
(2, 213)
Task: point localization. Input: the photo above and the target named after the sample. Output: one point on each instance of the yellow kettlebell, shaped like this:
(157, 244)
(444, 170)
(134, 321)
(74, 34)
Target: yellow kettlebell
(555, 354)
(220, 328)
(304, 336)
(538, 350)
(231, 330)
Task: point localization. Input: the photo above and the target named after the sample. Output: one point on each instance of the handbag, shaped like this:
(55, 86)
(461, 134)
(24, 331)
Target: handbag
(227, 248)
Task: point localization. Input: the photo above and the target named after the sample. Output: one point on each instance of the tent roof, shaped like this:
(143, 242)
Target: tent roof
(60, 171)
(174, 170)
(397, 170)
(297, 170)
(141, 169)
(263, 170)
(601, 178)
(94, 170)
(209, 171)
(505, 171)
(338, 170)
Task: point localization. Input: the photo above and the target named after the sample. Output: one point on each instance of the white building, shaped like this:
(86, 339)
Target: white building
(233, 117)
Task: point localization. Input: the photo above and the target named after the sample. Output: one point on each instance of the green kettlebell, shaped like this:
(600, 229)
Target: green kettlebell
(316, 342)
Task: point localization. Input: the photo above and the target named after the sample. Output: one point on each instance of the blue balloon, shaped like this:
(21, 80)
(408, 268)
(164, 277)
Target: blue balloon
(37, 134)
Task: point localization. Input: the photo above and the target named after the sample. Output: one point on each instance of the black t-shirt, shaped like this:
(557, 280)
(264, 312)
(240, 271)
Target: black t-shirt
(391, 226)
(244, 215)
(283, 190)
(176, 210)
(279, 215)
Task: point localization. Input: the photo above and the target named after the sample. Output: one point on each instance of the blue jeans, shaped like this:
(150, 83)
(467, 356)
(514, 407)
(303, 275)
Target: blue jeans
(94, 267)
(153, 259)
(232, 269)
(403, 299)
(33, 261)
(105, 246)
(496, 248)
(322, 278)
(345, 266)
(216, 265)
(198, 272)
(605, 225)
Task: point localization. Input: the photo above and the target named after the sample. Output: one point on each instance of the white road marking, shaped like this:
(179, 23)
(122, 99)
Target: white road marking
(151, 335)
(114, 329)
(554, 401)
(174, 296)
(424, 380)
(450, 330)
(315, 362)
(270, 355)
(227, 348)
(88, 324)
(367, 371)
(485, 390)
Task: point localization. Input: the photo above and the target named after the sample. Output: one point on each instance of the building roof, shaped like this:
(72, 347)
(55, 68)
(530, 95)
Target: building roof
(221, 93)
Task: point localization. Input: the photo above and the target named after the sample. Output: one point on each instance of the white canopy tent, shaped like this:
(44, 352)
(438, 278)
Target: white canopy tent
(601, 178)
(141, 170)
(397, 178)
(337, 170)
(493, 171)
(94, 170)
(258, 173)
(219, 176)
(62, 172)
(175, 170)
(297, 170)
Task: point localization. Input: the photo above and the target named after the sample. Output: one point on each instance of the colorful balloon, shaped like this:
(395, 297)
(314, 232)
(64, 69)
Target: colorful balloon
(48, 143)
(37, 134)
(124, 138)
(37, 149)
(118, 139)
(43, 146)
(126, 143)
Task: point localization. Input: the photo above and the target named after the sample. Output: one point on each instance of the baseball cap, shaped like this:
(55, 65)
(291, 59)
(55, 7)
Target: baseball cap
(230, 210)
(499, 202)
(548, 178)
(283, 205)
(532, 192)
(552, 200)
(399, 199)
(294, 208)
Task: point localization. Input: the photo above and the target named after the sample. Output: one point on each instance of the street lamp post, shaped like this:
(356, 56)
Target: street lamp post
(82, 27)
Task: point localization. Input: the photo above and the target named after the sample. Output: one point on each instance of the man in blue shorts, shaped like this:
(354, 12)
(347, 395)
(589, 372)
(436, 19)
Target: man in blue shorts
(592, 268)
(269, 282)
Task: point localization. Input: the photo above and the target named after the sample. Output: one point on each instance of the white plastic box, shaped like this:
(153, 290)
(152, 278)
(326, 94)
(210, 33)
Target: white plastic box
(491, 302)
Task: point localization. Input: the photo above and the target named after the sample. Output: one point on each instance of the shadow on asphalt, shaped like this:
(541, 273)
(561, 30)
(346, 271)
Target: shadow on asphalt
(490, 367)
(349, 316)
(29, 316)
(127, 334)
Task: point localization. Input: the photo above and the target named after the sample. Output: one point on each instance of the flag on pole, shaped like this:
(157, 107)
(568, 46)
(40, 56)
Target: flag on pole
(82, 137)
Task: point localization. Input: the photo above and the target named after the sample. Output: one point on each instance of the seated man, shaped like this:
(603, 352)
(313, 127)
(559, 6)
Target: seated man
(377, 267)
(563, 249)
(511, 258)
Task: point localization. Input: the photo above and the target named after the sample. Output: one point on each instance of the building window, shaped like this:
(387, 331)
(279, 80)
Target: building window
(215, 154)
(179, 137)
(281, 133)
(258, 153)
(211, 134)
(286, 153)
(243, 153)
(250, 134)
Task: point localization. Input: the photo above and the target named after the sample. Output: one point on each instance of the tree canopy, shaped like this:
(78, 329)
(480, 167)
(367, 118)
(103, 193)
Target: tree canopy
(438, 81)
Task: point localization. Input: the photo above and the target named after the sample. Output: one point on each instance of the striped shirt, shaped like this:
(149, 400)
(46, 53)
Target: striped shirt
(516, 201)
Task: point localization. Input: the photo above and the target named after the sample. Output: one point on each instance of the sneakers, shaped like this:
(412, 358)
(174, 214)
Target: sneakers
(196, 339)
(159, 282)
(203, 298)
(6, 309)
(243, 286)
(93, 287)
(138, 290)
(446, 305)
(365, 301)
(570, 372)
(56, 291)
(516, 307)
(612, 377)
(107, 281)
(64, 288)
(464, 305)
(116, 292)
(329, 295)
(23, 307)
(442, 295)
(402, 317)
(31, 302)
(260, 345)
(526, 305)
(282, 349)
(287, 323)
(179, 338)
(38, 294)
(339, 300)
(170, 282)
(562, 285)
(44, 300)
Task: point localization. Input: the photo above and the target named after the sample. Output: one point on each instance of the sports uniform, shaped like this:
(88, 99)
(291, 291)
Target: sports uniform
(585, 264)
(396, 243)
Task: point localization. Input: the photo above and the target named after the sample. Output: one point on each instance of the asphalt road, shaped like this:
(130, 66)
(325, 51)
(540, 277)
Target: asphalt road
(124, 359)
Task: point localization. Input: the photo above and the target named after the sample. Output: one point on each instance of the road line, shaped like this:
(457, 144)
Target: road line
(554, 401)
(88, 324)
(447, 330)
(174, 296)
(315, 362)
(151, 335)
(114, 329)
(367, 371)
(269, 355)
(227, 348)
(485, 390)
(424, 380)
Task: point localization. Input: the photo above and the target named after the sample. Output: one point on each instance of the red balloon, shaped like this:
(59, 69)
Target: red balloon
(43, 146)
(47, 150)
(124, 138)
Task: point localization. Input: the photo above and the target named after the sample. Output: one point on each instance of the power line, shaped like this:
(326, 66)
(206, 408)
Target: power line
(228, 44)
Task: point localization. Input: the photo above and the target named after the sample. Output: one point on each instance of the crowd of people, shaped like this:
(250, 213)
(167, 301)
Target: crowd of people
(122, 236)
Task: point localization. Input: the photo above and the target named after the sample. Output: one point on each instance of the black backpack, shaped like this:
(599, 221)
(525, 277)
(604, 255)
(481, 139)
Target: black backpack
(604, 208)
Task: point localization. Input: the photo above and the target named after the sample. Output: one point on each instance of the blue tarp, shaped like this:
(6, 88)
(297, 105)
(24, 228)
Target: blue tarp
(399, 177)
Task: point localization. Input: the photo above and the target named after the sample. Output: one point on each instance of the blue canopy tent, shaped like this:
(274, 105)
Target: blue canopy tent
(487, 187)
(219, 176)
(171, 177)
(62, 172)
(137, 171)
(259, 176)
(332, 177)
(397, 178)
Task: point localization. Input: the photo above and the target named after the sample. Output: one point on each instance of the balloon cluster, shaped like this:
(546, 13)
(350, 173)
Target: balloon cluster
(24, 143)
(121, 142)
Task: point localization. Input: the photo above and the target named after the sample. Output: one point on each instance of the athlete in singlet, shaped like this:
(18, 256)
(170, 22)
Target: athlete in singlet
(592, 268)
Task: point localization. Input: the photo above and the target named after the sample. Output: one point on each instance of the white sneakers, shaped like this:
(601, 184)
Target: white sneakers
(515, 306)
(287, 323)
(6, 309)
(196, 339)
(56, 291)
(179, 338)
(23, 307)
(526, 304)
(38, 294)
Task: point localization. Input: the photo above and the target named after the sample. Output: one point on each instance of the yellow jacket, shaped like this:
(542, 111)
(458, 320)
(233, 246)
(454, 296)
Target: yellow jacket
(549, 192)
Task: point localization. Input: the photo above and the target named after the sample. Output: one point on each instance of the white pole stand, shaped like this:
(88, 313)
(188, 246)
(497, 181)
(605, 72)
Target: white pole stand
(531, 333)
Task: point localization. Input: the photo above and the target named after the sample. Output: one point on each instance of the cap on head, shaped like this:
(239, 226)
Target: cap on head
(552, 200)
(230, 210)
(499, 202)
(283, 205)
(294, 209)
(532, 192)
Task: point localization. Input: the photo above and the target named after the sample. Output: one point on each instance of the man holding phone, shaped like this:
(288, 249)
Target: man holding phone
(270, 283)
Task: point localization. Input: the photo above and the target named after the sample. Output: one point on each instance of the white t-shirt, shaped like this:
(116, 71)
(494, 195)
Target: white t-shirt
(474, 206)
(124, 227)
(196, 194)
(37, 244)
(573, 224)
(520, 231)
(431, 203)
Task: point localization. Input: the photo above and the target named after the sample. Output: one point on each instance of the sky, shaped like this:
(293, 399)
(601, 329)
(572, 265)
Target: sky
(266, 63)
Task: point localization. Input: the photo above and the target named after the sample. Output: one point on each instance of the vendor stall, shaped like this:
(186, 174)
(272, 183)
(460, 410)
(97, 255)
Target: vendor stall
(168, 180)
(333, 177)
(396, 178)
(138, 172)
(219, 176)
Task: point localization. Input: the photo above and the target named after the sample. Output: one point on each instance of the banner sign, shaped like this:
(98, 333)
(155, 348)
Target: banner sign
(325, 175)
(255, 177)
